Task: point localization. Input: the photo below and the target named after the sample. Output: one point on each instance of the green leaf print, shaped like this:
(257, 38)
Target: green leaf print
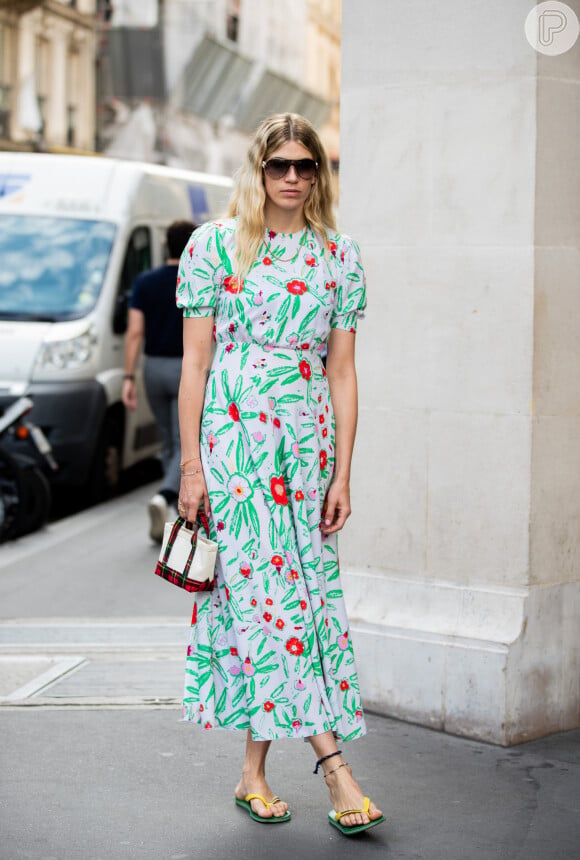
(295, 306)
(272, 534)
(255, 519)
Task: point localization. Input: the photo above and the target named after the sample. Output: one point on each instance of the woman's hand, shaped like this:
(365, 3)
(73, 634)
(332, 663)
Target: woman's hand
(336, 508)
(193, 495)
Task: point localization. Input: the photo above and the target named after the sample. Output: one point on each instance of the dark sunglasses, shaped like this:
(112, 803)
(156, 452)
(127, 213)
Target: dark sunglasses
(276, 168)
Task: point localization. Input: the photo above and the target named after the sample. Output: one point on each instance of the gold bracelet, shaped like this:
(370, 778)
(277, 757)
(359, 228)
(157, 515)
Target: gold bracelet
(185, 462)
(188, 474)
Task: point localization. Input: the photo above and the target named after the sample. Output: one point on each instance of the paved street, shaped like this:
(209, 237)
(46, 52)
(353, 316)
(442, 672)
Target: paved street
(96, 764)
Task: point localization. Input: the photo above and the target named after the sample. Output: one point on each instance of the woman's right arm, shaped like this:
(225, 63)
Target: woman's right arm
(197, 350)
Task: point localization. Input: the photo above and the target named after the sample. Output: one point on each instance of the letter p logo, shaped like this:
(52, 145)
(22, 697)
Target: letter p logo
(552, 28)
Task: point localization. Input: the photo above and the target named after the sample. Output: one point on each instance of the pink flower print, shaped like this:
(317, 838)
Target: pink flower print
(296, 449)
(272, 402)
(289, 557)
(234, 670)
(312, 494)
(247, 668)
(252, 402)
(342, 641)
(258, 436)
(300, 685)
(259, 298)
(292, 339)
(292, 575)
(266, 317)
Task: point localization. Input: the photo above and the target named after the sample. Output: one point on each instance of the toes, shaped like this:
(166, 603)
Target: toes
(260, 809)
(279, 809)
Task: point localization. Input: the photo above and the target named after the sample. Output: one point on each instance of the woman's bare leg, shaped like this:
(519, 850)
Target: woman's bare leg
(253, 779)
(345, 792)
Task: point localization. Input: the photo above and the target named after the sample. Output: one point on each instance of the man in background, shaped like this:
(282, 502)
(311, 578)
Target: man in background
(155, 318)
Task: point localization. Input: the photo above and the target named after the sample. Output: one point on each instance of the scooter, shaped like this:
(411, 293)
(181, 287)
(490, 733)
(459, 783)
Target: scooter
(25, 493)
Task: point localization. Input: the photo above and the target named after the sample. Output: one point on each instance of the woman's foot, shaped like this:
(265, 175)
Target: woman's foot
(345, 793)
(257, 785)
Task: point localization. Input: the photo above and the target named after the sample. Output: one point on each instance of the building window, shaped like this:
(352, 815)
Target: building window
(42, 80)
(73, 83)
(233, 20)
(6, 77)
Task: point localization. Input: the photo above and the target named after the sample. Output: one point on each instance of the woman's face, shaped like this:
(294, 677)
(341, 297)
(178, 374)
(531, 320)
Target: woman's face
(290, 192)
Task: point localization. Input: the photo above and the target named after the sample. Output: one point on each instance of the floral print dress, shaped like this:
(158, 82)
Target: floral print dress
(270, 648)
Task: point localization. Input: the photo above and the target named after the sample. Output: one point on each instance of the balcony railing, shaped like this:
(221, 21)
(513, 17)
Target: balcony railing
(20, 6)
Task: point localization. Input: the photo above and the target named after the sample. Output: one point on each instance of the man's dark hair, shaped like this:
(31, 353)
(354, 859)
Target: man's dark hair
(177, 237)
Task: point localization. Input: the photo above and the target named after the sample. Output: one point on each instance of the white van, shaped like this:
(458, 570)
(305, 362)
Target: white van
(74, 233)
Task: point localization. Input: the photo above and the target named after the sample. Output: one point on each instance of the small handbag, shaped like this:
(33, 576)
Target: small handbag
(188, 557)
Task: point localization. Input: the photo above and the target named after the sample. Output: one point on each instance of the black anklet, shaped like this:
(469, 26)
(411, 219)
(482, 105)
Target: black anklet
(324, 758)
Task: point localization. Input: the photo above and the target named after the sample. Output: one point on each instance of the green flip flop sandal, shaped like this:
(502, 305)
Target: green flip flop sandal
(334, 819)
(245, 804)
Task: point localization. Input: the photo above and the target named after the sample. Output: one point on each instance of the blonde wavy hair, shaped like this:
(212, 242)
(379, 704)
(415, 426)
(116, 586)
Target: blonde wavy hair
(249, 196)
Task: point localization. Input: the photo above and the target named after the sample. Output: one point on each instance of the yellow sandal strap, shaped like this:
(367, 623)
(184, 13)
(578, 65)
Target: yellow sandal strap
(363, 811)
(250, 797)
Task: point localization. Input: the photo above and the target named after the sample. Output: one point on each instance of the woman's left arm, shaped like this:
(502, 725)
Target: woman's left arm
(341, 372)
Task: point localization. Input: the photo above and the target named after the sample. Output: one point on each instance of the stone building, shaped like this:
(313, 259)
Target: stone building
(47, 74)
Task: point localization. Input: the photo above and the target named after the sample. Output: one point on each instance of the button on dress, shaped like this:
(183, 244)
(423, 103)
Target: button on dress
(270, 647)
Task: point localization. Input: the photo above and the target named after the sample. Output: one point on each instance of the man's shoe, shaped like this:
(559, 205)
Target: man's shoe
(157, 517)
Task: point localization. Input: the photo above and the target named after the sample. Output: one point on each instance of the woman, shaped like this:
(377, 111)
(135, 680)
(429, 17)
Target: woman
(267, 436)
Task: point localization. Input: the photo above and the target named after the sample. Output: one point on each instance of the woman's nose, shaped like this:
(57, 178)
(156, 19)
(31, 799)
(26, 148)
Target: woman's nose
(292, 175)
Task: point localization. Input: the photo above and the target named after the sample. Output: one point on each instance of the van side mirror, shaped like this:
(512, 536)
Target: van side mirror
(120, 314)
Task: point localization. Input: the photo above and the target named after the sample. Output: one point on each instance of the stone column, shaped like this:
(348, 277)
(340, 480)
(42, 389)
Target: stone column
(460, 178)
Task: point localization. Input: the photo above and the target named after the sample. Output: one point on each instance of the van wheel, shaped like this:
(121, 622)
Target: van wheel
(106, 469)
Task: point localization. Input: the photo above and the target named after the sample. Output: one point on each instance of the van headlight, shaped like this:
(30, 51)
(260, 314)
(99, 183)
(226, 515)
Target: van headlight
(67, 354)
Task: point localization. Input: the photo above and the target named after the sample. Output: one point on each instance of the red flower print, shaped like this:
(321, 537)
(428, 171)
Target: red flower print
(278, 490)
(305, 346)
(267, 261)
(342, 256)
(297, 288)
(269, 706)
(325, 432)
(231, 284)
(271, 233)
(208, 726)
(344, 685)
(178, 281)
(267, 617)
(234, 652)
(296, 724)
(194, 615)
(234, 412)
(321, 419)
(253, 602)
(332, 248)
(232, 327)
(269, 601)
(229, 347)
(227, 593)
(277, 561)
(276, 422)
(303, 605)
(310, 260)
(214, 333)
(221, 525)
(299, 496)
(293, 574)
(280, 624)
(305, 369)
(294, 646)
(191, 247)
(352, 330)
(263, 417)
(245, 570)
(323, 459)
(201, 709)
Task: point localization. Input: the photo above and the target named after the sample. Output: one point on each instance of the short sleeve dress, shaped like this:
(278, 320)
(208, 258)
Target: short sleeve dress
(270, 648)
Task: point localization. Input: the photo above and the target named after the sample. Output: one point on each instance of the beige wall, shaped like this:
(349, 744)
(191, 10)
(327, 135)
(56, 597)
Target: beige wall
(460, 178)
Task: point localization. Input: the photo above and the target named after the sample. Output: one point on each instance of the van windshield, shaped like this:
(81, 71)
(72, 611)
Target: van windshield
(51, 268)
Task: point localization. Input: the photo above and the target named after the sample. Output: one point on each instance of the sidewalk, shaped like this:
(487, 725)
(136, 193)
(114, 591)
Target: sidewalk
(95, 763)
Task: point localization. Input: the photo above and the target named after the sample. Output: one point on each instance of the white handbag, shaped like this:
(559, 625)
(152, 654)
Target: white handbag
(187, 557)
